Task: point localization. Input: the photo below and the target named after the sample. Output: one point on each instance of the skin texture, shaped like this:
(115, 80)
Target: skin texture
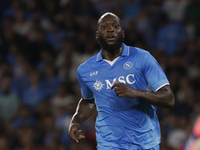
(83, 112)
(109, 29)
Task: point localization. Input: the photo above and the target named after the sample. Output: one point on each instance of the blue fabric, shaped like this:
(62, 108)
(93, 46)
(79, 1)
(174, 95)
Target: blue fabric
(123, 122)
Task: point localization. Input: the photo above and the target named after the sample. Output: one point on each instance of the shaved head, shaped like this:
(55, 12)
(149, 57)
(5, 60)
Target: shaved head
(105, 15)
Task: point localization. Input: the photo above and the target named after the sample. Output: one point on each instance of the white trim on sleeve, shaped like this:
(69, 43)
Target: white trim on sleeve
(161, 86)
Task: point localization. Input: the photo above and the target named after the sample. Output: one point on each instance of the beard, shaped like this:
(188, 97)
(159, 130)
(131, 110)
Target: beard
(113, 47)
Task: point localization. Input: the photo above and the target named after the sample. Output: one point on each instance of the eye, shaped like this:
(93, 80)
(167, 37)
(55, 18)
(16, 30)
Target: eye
(103, 26)
(116, 25)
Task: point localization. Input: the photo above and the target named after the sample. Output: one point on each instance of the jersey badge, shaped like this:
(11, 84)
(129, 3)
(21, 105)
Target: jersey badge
(128, 65)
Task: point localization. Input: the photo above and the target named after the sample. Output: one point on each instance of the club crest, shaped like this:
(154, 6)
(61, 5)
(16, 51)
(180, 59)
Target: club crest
(128, 65)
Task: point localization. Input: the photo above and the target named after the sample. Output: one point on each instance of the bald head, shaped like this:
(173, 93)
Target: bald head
(101, 19)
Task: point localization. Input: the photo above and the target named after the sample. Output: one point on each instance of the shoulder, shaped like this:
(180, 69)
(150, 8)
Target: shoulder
(87, 65)
(140, 57)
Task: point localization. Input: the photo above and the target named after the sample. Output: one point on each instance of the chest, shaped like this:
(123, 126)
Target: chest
(101, 79)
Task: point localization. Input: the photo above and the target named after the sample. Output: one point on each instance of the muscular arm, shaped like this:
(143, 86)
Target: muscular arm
(163, 97)
(84, 110)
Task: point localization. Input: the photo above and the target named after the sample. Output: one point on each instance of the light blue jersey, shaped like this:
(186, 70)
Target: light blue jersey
(123, 123)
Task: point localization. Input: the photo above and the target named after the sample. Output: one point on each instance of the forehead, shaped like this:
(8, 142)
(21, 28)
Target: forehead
(108, 19)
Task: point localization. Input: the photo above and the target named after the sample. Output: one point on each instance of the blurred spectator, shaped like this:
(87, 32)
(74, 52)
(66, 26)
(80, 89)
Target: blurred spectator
(47, 128)
(85, 8)
(35, 45)
(64, 58)
(35, 94)
(67, 21)
(193, 141)
(12, 54)
(134, 37)
(4, 143)
(179, 134)
(46, 58)
(50, 82)
(50, 8)
(9, 101)
(23, 118)
(170, 36)
(8, 36)
(175, 9)
(31, 6)
(103, 6)
(131, 9)
(62, 120)
(26, 139)
(21, 72)
(192, 11)
(192, 18)
(4, 68)
(10, 12)
(21, 26)
(55, 36)
(144, 26)
(63, 99)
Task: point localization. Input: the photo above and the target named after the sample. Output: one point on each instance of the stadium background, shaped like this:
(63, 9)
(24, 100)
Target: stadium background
(42, 42)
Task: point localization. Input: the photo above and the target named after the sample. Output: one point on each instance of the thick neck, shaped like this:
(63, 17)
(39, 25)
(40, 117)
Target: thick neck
(111, 56)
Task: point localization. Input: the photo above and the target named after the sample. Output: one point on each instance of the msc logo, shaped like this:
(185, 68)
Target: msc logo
(128, 79)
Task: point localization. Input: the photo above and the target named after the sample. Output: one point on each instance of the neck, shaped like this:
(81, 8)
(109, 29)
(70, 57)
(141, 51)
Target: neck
(111, 55)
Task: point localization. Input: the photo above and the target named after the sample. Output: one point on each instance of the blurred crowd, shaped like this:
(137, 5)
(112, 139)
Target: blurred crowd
(42, 42)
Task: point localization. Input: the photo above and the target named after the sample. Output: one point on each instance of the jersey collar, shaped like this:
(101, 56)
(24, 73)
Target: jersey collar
(125, 52)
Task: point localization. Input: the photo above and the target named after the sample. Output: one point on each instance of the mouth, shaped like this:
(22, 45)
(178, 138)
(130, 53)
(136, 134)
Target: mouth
(110, 37)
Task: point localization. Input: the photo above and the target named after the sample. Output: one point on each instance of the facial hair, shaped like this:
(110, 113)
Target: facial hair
(111, 48)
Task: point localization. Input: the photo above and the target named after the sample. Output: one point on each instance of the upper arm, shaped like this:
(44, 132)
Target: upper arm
(153, 73)
(85, 90)
(85, 107)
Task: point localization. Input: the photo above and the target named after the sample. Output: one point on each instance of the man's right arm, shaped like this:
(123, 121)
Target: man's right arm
(84, 110)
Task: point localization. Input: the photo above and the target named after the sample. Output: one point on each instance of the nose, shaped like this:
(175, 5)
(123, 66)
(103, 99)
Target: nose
(110, 28)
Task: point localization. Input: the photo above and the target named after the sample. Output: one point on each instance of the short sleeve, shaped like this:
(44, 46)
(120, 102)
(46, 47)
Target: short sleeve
(153, 73)
(85, 90)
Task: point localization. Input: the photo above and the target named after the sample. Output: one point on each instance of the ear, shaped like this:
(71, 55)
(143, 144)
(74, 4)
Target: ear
(123, 33)
(97, 35)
